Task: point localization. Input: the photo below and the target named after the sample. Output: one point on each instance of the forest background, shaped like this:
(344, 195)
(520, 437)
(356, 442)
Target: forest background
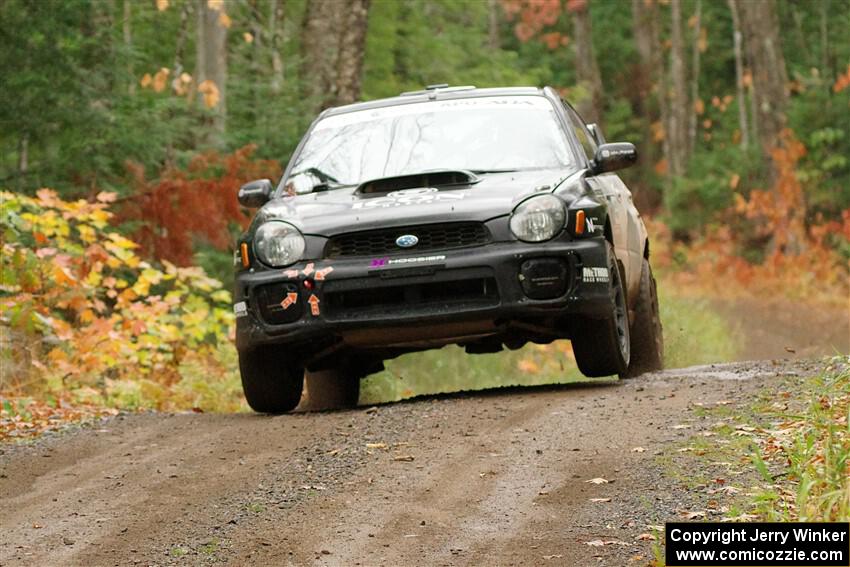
(128, 126)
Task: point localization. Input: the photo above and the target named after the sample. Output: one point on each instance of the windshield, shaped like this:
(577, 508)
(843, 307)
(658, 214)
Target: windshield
(477, 134)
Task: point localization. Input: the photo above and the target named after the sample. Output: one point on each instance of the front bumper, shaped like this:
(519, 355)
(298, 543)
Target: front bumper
(430, 298)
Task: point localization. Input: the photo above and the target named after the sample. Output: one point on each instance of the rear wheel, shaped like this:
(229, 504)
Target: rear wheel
(602, 346)
(647, 338)
(269, 383)
(332, 389)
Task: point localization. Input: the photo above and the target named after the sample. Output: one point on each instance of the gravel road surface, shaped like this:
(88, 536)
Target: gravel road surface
(496, 477)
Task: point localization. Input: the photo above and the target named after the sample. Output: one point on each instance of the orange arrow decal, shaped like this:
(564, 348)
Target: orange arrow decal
(321, 274)
(290, 298)
(314, 304)
(291, 273)
(308, 269)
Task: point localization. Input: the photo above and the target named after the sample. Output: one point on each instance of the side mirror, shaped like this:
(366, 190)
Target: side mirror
(596, 132)
(611, 157)
(255, 194)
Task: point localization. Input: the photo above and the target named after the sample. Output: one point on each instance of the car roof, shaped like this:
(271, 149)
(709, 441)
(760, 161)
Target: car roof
(435, 92)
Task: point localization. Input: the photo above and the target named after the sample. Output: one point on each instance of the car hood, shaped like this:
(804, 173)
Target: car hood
(343, 210)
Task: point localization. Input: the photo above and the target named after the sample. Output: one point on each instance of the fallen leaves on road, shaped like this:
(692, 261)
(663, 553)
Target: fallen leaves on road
(604, 542)
(600, 500)
(646, 537)
(22, 418)
(403, 458)
(598, 480)
(638, 450)
(376, 445)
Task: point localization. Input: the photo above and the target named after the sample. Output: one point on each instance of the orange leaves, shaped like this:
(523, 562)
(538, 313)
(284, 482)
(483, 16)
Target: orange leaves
(160, 80)
(799, 260)
(183, 84)
(210, 93)
(734, 181)
(843, 82)
(554, 40)
(535, 15)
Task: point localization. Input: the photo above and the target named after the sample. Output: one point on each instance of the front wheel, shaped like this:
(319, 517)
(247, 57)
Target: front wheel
(602, 346)
(647, 338)
(269, 383)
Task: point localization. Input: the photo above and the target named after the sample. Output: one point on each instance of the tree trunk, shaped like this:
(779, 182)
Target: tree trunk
(276, 23)
(739, 76)
(651, 81)
(493, 24)
(829, 78)
(760, 26)
(24, 154)
(678, 132)
(352, 47)
(695, 54)
(587, 69)
(212, 62)
(128, 45)
(320, 49)
(181, 39)
(645, 195)
(257, 63)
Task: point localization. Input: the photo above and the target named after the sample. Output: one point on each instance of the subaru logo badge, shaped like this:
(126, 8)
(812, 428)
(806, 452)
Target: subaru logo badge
(407, 241)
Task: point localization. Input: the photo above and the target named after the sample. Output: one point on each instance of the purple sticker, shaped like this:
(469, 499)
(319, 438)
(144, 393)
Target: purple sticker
(378, 262)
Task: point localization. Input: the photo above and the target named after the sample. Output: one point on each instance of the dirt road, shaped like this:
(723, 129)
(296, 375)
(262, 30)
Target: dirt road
(497, 477)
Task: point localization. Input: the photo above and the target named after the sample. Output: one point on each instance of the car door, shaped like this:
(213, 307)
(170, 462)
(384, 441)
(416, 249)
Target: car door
(625, 222)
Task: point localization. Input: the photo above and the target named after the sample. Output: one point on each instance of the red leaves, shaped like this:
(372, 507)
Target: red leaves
(183, 206)
(536, 15)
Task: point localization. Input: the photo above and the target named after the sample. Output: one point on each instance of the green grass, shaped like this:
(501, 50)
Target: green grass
(813, 451)
(693, 334)
(450, 369)
(794, 460)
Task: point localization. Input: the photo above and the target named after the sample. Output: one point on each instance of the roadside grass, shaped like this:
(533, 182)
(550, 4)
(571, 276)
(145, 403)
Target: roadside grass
(806, 453)
(787, 454)
(784, 457)
(693, 334)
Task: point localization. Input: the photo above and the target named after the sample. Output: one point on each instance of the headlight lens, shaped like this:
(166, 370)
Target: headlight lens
(538, 219)
(278, 244)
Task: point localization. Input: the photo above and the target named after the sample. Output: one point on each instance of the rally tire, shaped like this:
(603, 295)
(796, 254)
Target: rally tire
(270, 385)
(337, 388)
(602, 346)
(646, 332)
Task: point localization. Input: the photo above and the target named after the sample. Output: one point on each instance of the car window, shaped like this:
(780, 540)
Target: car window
(588, 144)
(477, 134)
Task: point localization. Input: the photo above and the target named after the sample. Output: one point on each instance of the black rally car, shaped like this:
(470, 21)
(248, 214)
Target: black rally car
(486, 218)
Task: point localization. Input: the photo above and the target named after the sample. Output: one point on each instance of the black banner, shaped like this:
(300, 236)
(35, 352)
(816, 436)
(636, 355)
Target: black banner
(766, 544)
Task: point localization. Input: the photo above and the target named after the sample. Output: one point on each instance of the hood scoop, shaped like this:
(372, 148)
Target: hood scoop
(438, 179)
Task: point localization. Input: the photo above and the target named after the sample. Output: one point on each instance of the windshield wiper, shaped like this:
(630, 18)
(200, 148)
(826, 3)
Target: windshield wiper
(507, 170)
(317, 173)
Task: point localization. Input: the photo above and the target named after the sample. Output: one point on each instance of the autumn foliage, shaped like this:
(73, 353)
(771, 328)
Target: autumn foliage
(85, 316)
(801, 260)
(180, 208)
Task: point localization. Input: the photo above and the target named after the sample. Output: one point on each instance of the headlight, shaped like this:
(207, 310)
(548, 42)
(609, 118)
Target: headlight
(538, 218)
(278, 244)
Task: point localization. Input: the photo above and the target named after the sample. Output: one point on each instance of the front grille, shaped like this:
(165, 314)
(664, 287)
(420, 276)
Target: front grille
(431, 237)
(424, 298)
